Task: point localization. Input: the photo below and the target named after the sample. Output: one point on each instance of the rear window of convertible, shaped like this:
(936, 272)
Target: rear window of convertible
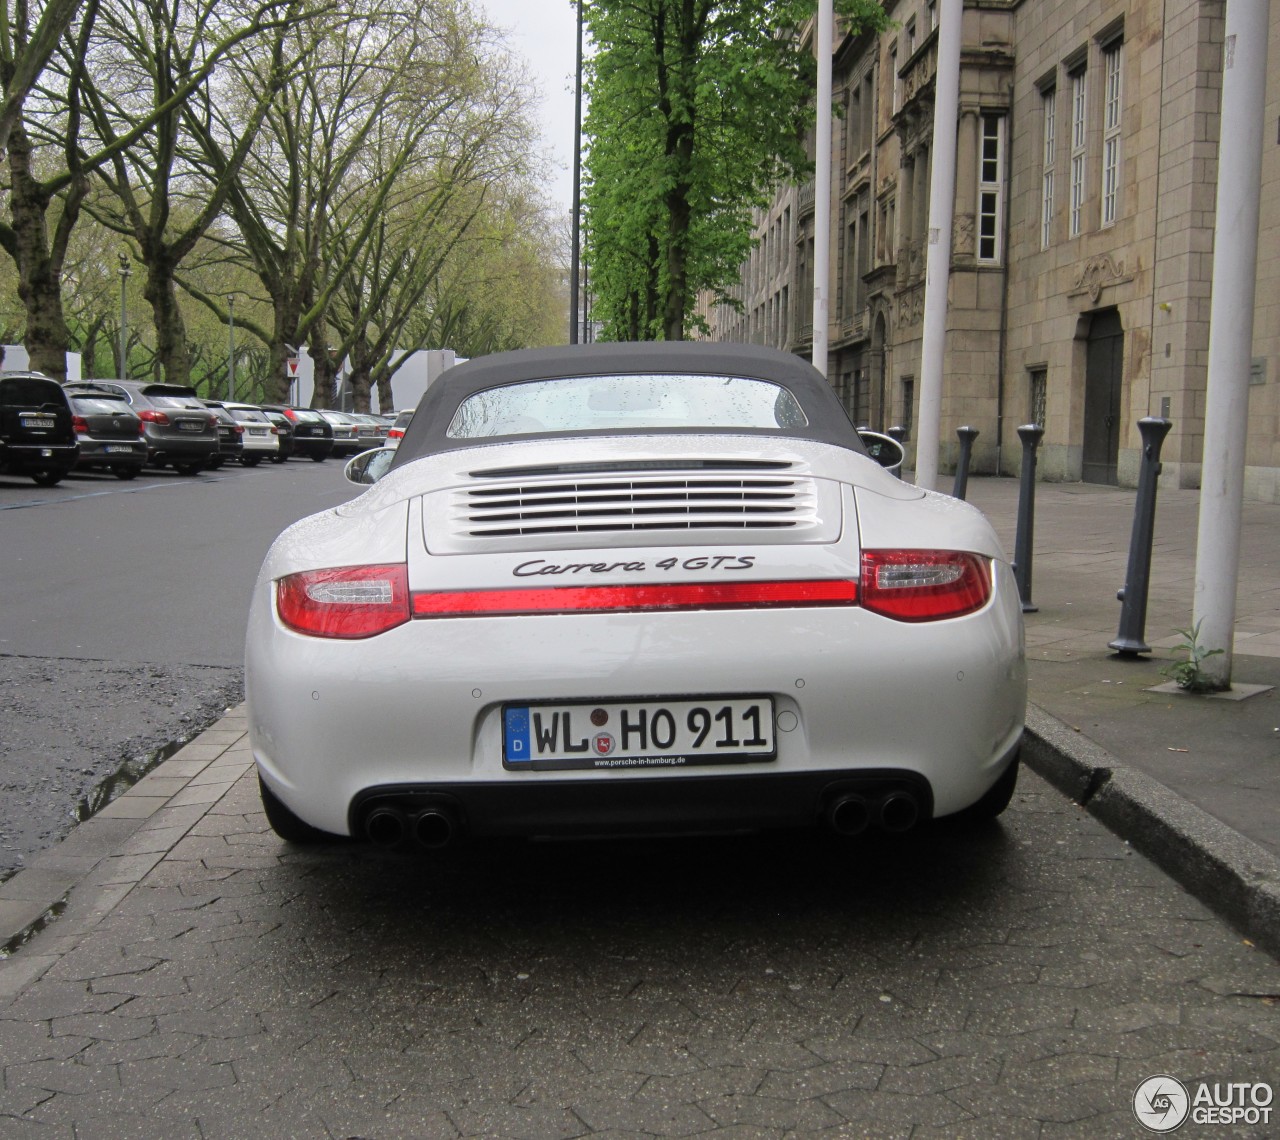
(632, 402)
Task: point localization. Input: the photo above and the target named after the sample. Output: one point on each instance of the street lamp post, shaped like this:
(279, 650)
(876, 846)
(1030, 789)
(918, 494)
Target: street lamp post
(231, 346)
(575, 253)
(124, 317)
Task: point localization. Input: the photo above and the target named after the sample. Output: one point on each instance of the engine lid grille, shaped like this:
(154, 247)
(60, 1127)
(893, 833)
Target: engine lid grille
(618, 504)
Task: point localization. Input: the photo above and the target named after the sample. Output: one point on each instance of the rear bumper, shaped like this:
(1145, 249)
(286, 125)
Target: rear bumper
(93, 452)
(312, 446)
(24, 457)
(180, 449)
(592, 808)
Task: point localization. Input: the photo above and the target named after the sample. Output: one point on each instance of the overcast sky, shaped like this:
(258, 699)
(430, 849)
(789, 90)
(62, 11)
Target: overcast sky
(544, 32)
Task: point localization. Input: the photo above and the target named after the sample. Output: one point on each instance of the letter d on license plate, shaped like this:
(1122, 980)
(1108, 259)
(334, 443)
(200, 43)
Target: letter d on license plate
(637, 734)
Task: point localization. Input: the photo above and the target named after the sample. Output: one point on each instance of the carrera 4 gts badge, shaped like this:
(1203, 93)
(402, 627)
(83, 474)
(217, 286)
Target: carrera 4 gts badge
(540, 566)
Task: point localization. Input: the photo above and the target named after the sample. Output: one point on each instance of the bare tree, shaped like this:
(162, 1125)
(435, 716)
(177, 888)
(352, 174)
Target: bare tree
(158, 197)
(338, 138)
(51, 158)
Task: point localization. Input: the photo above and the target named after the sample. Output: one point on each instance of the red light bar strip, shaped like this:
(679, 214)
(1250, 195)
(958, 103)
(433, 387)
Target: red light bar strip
(681, 596)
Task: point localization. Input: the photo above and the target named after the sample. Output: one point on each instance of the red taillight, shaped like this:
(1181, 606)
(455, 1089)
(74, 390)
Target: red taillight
(288, 414)
(346, 602)
(213, 422)
(924, 585)
(80, 424)
(395, 433)
(153, 417)
(142, 428)
(238, 429)
(678, 596)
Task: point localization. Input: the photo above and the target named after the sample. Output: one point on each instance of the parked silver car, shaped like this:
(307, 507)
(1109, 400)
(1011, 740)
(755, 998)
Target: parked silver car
(177, 426)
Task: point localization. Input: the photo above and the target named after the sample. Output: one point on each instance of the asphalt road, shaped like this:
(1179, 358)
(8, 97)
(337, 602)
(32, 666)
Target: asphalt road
(122, 616)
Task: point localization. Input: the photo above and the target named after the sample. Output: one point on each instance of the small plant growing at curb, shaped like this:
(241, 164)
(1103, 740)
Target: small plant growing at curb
(1188, 674)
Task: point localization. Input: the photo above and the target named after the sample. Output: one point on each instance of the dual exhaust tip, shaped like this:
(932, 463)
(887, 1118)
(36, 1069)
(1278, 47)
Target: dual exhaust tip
(432, 828)
(852, 813)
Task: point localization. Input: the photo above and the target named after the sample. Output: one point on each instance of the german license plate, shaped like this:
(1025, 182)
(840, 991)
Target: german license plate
(38, 423)
(190, 425)
(117, 448)
(638, 734)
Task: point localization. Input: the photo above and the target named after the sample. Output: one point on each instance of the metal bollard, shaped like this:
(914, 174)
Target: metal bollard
(967, 436)
(1130, 638)
(1030, 434)
(899, 434)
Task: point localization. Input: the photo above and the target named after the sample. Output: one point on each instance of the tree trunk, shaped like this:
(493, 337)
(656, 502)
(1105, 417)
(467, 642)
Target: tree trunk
(39, 269)
(172, 357)
(386, 401)
(285, 334)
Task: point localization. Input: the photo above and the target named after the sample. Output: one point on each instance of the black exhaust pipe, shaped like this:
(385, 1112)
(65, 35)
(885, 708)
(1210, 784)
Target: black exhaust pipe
(848, 814)
(386, 826)
(899, 812)
(434, 828)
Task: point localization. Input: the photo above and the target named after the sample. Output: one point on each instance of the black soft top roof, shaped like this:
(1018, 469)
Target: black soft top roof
(828, 422)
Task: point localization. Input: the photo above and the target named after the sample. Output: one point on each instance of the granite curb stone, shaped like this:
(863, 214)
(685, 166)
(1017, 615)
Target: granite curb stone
(1229, 873)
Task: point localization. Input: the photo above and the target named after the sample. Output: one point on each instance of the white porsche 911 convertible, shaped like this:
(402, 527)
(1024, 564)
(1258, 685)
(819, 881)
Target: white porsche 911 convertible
(633, 588)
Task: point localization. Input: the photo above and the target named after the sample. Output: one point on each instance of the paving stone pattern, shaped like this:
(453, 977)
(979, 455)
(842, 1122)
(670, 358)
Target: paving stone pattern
(206, 980)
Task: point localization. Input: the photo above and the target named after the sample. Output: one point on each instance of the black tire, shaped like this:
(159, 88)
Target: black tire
(126, 472)
(287, 825)
(49, 477)
(278, 458)
(216, 462)
(996, 799)
(317, 459)
(188, 468)
(251, 460)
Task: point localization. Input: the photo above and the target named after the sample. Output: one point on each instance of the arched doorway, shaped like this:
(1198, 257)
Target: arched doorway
(1103, 376)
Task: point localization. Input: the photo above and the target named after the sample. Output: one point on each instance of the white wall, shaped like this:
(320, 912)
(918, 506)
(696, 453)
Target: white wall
(17, 360)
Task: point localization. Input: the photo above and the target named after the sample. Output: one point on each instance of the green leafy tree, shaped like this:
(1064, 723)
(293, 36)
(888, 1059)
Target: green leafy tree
(698, 109)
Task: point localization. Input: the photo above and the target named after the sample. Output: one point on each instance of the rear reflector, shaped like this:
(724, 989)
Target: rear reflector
(677, 596)
(346, 602)
(924, 585)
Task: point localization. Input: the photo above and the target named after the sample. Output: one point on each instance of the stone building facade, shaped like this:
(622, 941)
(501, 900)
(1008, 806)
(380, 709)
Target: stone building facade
(1082, 246)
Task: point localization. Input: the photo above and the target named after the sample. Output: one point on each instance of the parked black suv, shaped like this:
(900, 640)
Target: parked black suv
(36, 436)
(177, 426)
(312, 433)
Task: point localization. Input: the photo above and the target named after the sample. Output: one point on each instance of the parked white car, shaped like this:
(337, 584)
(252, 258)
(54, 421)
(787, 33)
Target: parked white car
(261, 437)
(633, 588)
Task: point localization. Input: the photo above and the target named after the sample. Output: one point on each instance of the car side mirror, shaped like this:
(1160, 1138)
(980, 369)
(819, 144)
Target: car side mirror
(369, 466)
(884, 449)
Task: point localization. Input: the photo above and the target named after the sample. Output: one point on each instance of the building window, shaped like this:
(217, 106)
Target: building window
(1048, 102)
(1038, 395)
(911, 37)
(990, 188)
(907, 422)
(1113, 95)
(868, 112)
(894, 81)
(1079, 141)
(861, 399)
(853, 125)
(850, 291)
(933, 14)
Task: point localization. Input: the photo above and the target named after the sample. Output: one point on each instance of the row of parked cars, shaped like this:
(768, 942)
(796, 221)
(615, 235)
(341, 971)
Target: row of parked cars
(47, 429)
